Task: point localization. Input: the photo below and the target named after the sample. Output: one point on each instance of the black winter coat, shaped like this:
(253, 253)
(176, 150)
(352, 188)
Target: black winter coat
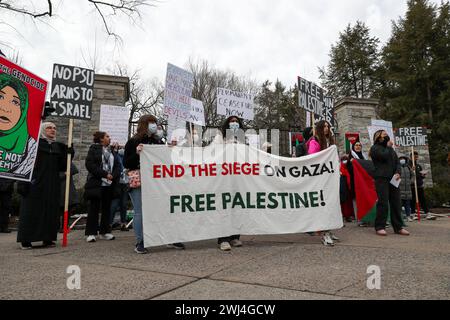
(94, 165)
(39, 210)
(385, 161)
(131, 158)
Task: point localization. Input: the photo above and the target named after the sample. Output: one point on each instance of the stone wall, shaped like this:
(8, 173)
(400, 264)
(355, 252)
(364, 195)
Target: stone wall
(355, 115)
(109, 90)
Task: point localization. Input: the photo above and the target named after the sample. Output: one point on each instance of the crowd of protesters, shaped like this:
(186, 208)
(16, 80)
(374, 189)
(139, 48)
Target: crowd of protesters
(114, 179)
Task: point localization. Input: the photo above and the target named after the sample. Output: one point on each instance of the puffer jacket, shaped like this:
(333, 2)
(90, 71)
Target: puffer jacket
(405, 183)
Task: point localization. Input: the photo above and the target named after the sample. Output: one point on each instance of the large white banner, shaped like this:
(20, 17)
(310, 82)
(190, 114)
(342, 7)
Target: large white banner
(191, 194)
(114, 120)
(233, 103)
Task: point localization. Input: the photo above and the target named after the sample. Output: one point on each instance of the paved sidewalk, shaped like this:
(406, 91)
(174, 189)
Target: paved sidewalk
(267, 267)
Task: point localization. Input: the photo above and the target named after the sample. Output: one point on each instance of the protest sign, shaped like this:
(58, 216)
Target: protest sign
(411, 137)
(197, 114)
(311, 97)
(238, 190)
(114, 121)
(22, 98)
(328, 113)
(72, 92)
(177, 98)
(233, 103)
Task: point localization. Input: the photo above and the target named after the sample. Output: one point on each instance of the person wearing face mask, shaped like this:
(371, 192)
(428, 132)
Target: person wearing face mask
(160, 134)
(387, 167)
(405, 186)
(146, 133)
(231, 132)
(120, 191)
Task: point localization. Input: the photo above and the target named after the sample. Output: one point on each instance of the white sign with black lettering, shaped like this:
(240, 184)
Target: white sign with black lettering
(197, 115)
(234, 103)
(72, 92)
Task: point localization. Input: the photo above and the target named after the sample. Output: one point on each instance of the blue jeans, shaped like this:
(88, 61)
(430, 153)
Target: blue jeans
(407, 205)
(120, 203)
(136, 199)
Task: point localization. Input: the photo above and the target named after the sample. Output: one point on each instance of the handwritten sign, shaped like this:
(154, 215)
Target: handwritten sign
(197, 115)
(234, 103)
(411, 137)
(311, 97)
(114, 121)
(72, 92)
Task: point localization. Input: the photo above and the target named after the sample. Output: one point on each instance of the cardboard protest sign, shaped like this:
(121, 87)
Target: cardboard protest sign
(22, 99)
(197, 114)
(380, 125)
(328, 112)
(72, 92)
(114, 121)
(238, 190)
(177, 98)
(311, 97)
(411, 137)
(234, 103)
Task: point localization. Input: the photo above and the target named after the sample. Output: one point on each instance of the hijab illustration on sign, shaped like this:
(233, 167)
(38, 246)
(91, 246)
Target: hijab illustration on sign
(14, 137)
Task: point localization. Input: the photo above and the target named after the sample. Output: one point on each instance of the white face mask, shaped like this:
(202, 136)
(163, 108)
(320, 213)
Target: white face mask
(234, 126)
(121, 152)
(152, 128)
(196, 138)
(345, 162)
(160, 133)
(402, 162)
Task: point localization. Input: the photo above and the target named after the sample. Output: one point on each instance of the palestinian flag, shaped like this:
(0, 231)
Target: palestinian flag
(365, 192)
(350, 139)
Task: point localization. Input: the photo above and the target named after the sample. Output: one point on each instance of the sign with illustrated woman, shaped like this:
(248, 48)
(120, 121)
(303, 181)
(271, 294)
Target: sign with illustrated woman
(22, 98)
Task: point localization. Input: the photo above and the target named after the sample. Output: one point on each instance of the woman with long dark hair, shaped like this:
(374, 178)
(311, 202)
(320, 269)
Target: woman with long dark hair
(146, 133)
(387, 168)
(322, 139)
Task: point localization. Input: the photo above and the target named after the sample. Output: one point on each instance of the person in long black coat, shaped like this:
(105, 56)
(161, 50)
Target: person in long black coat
(387, 167)
(39, 209)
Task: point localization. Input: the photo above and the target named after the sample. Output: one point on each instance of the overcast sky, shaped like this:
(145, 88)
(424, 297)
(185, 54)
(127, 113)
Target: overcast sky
(261, 39)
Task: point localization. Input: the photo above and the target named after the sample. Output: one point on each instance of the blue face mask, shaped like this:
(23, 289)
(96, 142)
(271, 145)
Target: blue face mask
(152, 128)
(234, 126)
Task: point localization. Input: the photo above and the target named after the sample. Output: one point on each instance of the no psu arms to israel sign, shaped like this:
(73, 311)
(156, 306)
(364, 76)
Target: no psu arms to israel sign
(205, 193)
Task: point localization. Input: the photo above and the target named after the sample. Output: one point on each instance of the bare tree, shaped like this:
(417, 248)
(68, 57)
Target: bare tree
(146, 96)
(107, 10)
(206, 81)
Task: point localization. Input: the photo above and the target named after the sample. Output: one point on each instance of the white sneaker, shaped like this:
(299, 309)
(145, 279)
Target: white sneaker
(225, 246)
(334, 238)
(410, 219)
(107, 237)
(236, 243)
(91, 239)
(430, 217)
(326, 240)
